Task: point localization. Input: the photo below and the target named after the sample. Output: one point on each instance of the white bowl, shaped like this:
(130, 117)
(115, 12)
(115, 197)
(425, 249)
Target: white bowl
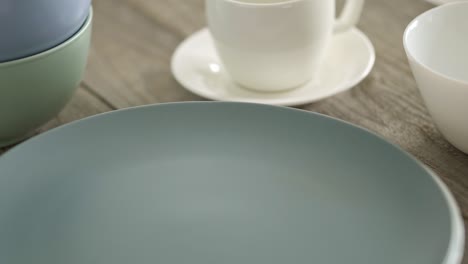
(436, 44)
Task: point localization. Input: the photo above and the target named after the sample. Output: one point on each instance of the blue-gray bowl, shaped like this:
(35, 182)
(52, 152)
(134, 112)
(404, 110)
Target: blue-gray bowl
(29, 27)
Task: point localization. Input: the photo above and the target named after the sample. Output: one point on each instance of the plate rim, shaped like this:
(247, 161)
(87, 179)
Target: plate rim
(455, 250)
(441, 2)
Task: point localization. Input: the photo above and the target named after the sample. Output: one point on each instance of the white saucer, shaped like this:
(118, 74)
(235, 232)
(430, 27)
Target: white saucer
(196, 66)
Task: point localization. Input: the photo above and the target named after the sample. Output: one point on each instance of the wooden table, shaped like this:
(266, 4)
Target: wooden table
(129, 65)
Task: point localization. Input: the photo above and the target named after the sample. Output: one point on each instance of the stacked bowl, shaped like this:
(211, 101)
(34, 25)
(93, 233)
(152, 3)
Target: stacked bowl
(43, 53)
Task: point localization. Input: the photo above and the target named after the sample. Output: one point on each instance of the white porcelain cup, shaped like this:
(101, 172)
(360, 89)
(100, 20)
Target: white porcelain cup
(436, 43)
(274, 45)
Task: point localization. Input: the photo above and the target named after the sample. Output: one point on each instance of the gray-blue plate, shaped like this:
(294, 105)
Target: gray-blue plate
(230, 183)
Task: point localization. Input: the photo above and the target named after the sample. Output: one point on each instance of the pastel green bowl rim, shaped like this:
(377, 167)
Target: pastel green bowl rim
(63, 45)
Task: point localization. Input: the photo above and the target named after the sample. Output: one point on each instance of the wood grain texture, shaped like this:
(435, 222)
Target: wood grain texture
(133, 44)
(129, 65)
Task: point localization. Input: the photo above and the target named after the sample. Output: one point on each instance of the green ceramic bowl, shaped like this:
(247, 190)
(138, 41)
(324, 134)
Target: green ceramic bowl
(34, 89)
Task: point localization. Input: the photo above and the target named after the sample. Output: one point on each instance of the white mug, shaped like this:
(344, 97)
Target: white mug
(274, 45)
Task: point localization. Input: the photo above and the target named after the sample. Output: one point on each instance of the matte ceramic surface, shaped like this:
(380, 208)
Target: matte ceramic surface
(218, 183)
(436, 44)
(275, 45)
(33, 90)
(196, 66)
(28, 27)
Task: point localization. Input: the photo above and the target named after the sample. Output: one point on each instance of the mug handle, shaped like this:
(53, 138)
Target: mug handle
(349, 15)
